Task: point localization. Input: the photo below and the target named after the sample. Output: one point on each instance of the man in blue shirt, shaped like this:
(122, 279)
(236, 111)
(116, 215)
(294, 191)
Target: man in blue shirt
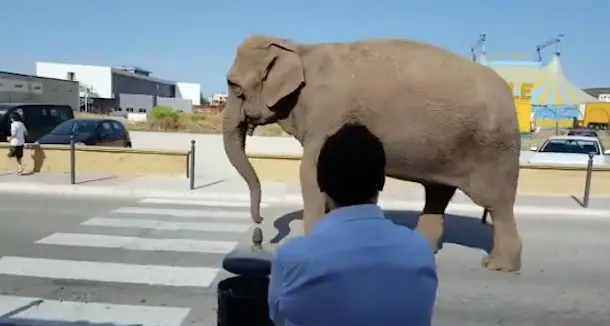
(355, 268)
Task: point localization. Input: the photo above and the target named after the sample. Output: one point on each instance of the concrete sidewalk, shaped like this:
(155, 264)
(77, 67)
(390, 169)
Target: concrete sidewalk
(222, 188)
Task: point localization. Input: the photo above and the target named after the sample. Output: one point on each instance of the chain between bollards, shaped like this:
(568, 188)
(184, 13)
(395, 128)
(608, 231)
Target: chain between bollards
(72, 161)
(192, 166)
(585, 198)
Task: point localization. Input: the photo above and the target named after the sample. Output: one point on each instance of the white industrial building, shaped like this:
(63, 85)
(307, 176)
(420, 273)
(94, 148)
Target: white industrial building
(218, 98)
(129, 90)
(21, 88)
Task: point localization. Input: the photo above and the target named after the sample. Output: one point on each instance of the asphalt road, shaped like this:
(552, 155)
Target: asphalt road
(131, 262)
(59, 264)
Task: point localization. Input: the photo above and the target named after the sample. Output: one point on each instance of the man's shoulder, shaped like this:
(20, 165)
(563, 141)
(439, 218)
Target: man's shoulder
(293, 246)
(411, 239)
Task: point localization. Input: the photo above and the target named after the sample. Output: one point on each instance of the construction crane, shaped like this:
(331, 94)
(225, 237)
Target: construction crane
(480, 43)
(555, 41)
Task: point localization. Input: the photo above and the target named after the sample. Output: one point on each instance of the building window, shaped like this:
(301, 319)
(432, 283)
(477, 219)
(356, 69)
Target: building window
(129, 109)
(70, 75)
(18, 85)
(142, 110)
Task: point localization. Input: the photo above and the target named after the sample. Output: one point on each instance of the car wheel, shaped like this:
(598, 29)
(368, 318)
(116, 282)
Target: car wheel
(128, 145)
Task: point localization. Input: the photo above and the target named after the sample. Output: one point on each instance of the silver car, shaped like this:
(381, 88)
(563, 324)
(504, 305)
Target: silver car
(570, 150)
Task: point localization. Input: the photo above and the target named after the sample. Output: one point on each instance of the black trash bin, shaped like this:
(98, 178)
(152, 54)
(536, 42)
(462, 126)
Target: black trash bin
(242, 301)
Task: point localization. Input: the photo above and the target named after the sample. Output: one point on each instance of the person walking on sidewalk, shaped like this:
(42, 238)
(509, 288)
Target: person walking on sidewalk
(17, 140)
(355, 268)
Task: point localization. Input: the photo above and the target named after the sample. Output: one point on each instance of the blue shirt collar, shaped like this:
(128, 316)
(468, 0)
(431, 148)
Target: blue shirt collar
(346, 214)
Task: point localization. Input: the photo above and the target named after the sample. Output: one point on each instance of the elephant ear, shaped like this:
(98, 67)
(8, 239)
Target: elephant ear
(284, 73)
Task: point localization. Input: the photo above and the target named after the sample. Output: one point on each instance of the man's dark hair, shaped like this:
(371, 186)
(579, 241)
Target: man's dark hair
(15, 116)
(351, 165)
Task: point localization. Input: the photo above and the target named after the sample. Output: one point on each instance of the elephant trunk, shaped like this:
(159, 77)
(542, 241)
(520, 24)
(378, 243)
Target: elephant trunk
(234, 139)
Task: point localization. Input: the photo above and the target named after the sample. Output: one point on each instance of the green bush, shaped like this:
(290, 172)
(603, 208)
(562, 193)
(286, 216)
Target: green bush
(164, 118)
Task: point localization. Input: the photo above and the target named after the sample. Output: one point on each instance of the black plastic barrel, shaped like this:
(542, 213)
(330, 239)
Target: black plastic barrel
(242, 301)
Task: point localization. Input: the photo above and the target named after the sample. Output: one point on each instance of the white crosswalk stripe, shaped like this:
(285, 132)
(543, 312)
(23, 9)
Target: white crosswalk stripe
(41, 312)
(134, 243)
(198, 213)
(164, 225)
(197, 202)
(209, 229)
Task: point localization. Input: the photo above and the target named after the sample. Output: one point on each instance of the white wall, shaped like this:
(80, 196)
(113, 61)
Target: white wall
(137, 116)
(189, 91)
(98, 79)
(604, 97)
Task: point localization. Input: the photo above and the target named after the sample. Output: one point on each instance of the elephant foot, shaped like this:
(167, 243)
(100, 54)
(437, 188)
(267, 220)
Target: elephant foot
(507, 262)
(431, 227)
(506, 253)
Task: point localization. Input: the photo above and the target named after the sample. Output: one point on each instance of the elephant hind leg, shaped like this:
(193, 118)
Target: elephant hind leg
(430, 223)
(496, 192)
(506, 253)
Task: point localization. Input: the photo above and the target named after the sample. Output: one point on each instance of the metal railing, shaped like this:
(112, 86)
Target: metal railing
(190, 162)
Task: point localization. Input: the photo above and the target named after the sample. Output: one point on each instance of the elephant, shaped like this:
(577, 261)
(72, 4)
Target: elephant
(446, 123)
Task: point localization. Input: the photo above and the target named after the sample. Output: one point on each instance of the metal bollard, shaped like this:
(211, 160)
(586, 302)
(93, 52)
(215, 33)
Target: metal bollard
(188, 165)
(242, 299)
(72, 161)
(585, 198)
(192, 167)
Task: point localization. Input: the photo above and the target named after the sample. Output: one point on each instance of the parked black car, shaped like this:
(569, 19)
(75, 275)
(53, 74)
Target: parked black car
(100, 132)
(39, 119)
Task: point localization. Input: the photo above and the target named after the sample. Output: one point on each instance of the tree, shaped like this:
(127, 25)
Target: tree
(204, 103)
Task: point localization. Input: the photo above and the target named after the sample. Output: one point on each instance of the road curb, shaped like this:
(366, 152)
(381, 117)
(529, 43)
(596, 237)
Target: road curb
(284, 199)
(123, 192)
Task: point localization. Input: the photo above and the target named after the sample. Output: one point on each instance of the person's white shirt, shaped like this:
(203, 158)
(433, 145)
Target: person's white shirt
(18, 133)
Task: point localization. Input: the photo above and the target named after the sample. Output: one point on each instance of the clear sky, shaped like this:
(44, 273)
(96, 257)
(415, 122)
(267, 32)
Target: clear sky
(195, 40)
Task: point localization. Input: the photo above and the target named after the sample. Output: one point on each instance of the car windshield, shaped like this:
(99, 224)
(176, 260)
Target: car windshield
(75, 127)
(573, 146)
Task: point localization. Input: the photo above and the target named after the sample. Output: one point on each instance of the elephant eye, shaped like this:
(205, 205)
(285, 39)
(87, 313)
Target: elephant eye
(236, 89)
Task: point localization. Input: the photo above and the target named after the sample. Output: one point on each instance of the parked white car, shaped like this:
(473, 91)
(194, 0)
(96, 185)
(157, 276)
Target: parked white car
(570, 150)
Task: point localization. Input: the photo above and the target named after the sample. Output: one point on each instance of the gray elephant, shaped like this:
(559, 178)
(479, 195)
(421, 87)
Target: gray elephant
(446, 122)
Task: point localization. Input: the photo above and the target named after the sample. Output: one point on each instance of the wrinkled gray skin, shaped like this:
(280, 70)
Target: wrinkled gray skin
(446, 122)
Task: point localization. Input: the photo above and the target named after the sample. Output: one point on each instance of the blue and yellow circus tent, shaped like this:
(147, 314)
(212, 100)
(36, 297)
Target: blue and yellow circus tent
(542, 84)
(544, 96)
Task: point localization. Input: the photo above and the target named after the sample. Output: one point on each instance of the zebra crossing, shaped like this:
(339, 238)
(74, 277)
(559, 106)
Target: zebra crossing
(154, 225)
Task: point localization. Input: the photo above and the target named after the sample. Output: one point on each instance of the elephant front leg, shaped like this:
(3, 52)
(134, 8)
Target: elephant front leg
(313, 198)
(430, 223)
